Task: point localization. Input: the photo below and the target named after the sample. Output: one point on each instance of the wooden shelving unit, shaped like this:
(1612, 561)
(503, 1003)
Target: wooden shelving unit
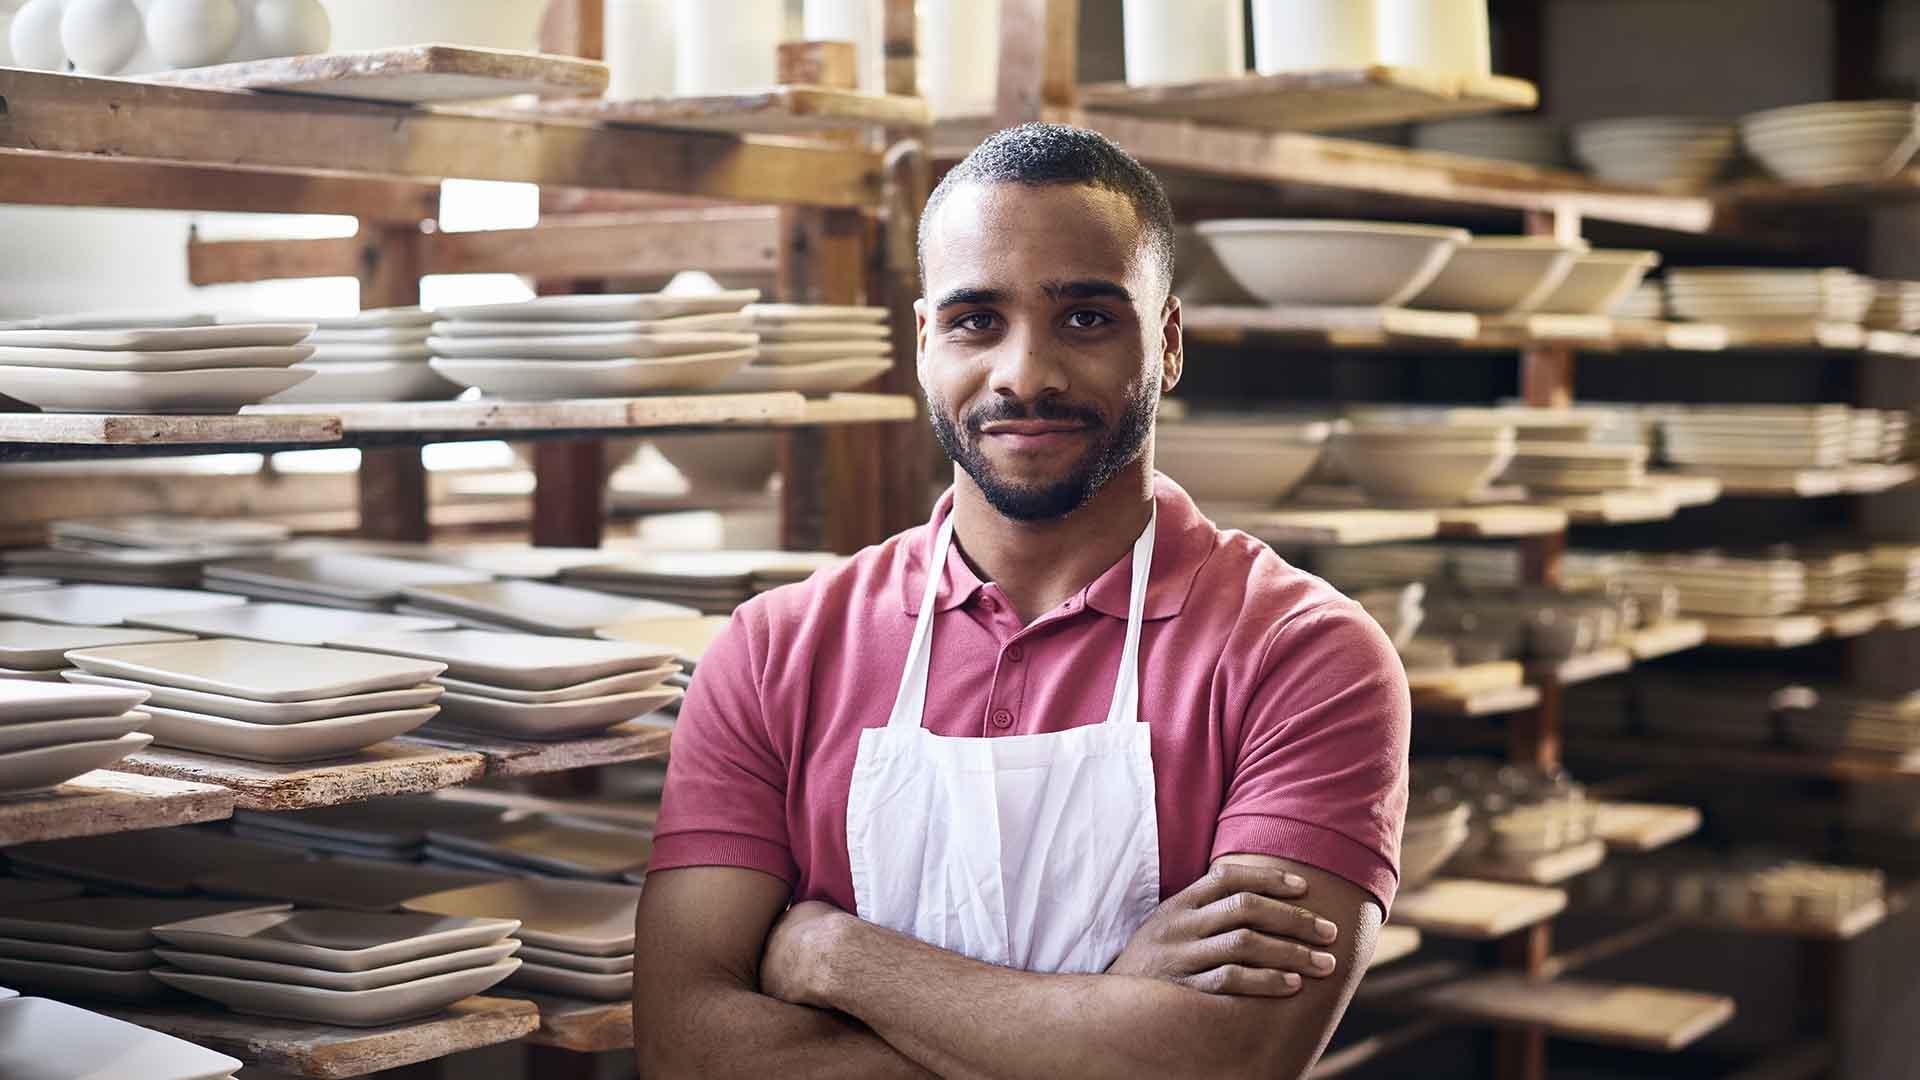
(107, 802)
(1471, 910)
(389, 768)
(781, 110)
(1613, 1014)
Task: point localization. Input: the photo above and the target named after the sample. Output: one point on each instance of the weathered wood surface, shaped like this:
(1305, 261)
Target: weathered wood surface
(405, 75)
(779, 110)
(643, 739)
(389, 768)
(1476, 910)
(1618, 1014)
(96, 429)
(587, 1027)
(102, 801)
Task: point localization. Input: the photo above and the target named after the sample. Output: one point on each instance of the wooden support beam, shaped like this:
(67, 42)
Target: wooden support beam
(575, 28)
(61, 180)
(221, 262)
(1039, 67)
(569, 493)
(393, 481)
(735, 240)
(902, 48)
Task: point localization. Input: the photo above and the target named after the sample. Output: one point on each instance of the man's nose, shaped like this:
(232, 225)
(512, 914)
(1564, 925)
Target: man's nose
(1025, 368)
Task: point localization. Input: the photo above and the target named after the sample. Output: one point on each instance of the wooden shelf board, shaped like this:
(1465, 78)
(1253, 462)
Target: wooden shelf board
(1597, 664)
(1624, 507)
(780, 110)
(1685, 491)
(1454, 907)
(293, 426)
(1865, 478)
(1526, 331)
(1850, 622)
(1498, 516)
(1469, 678)
(1477, 703)
(1616, 1014)
(1789, 334)
(497, 418)
(645, 739)
(1541, 870)
(1846, 928)
(586, 1027)
(388, 768)
(1643, 827)
(1660, 335)
(855, 408)
(1395, 943)
(1307, 527)
(404, 75)
(1901, 187)
(1734, 758)
(1776, 632)
(1329, 327)
(294, 1048)
(101, 801)
(1667, 638)
(1316, 100)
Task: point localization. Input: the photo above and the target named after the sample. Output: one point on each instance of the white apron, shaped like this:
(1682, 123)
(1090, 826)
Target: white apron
(1039, 852)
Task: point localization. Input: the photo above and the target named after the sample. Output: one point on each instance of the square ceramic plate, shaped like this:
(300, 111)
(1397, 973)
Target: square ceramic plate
(725, 322)
(349, 577)
(257, 670)
(270, 712)
(464, 622)
(537, 606)
(586, 917)
(391, 822)
(62, 732)
(261, 356)
(643, 307)
(107, 605)
(686, 569)
(30, 645)
(121, 320)
(358, 1008)
(373, 335)
(118, 923)
(235, 967)
(559, 380)
(285, 624)
(518, 661)
(247, 590)
(687, 638)
(79, 981)
(593, 965)
(30, 703)
(391, 353)
(347, 382)
(612, 684)
(48, 675)
(580, 984)
(170, 531)
(572, 850)
(557, 720)
(586, 346)
(813, 352)
(800, 313)
(50, 766)
(387, 316)
(778, 333)
(828, 377)
(161, 339)
(444, 857)
(334, 940)
(345, 884)
(48, 952)
(313, 740)
(15, 891)
(48, 1040)
(221, 390)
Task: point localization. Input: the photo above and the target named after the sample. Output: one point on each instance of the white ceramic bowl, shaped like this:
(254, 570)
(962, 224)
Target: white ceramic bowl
(1242, 463)
(1655, 151)
(1599, 282)
(1501, 274)
(1332, 263)
(722, 460)
(1439, 467)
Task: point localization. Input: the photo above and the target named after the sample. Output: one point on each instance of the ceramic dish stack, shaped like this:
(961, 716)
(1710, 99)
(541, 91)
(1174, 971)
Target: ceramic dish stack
(106, 605)
(391, 830)
(287, 624)
(1893, 571)
(96, 946)
(1600, 283)
(578, 935)
(530, 607)
(1648, 300)
(1525, 139)
(1846, 719)
(815, 348)
(1429, 464)
(1668, 152)
(1577, 467)
(1731, 709)
(102, 565)
(558, 347)
(1749, 295)
(1776, 437)
(155, 862)
(1834, 142)
(37, 652)
(538, 845)
(152, 369)
(714, 582)
(687, 639)
(355, 582)
(376, 355)
(1713, 584)
(342, 882)
(1241, 462)
(169, 531)
(260, 701)
(51, 732)
(351, 968)
(42, 1039)
(535, 686)
(1301, 263)
(1507, 275)
(1896, 306)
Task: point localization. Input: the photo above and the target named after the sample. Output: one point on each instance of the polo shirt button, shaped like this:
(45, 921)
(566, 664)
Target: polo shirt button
(1015, 654)
(1002, 718)
(989, 603)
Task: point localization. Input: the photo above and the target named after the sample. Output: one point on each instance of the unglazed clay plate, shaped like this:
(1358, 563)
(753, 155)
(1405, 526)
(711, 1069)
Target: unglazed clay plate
(118, 923)
(353, 941)
(828, 377)
(539, 607)
(38, 646)
(580, 984)
(48, 1040)
(588, 346)
(687, 638)
(558, 720)
(286, 624)
(312, 740)
(612, 684)
(345, 884)
(257, 670)
(270, 712)
(559, 380)
(46, 733)
(78, 981)
(197, 391)
(587, 917)
(347, 981)
(160, 339)
(107, 605)
(260, 356)
(518, 661)
(583, 308)
(51, 766)
(27, 703)
(359, 1008)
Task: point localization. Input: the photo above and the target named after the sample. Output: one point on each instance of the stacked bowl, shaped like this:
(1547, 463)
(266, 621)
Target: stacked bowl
(1424, 464)
(1600, 283)
(1747, 295)
(815, 348)
(377, 355)
(579, 935)
(1502, 275)
(1304, 263)
(51, 732)
(1669, 152)
(559, 347)
(1834, 142)
(152, 369)
(1240, 462)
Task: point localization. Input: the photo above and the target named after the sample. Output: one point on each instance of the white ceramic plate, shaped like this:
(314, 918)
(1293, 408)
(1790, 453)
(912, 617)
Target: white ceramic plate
(32, 645)
(782, 333)
(263, 356)
(118, 923)
(558, 720)
(806, 313)
(313, 740)
(27, 703)
(51, 766)
(47, 675)
(257, 670)
(557, 380)
(589, 346)
(350, 577)
(539, 607)
(12, 584)
(198, 391)
(46, 733)
(809, 352)
(49, 952)
(397, 821)
(107, 605)
(345, 884)
(580, 984)
(586, 917)
(248, 590)
(348, 981)
(269, 712)
(727, 322)
(643, 307)
(518, 661)
(329, 355)
(613, 684)
(352, 382)
(829, 377)
(121, 320)
(387, 316)
(373, 335)
(160, 339)
(48, 1040)
(574, 850)
(360, 1008)
(595, 965)
(351, 941)
(286, 624)
(170, 531)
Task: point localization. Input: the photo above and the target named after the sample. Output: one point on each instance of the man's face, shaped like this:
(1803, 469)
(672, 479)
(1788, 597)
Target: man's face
(1046, 340)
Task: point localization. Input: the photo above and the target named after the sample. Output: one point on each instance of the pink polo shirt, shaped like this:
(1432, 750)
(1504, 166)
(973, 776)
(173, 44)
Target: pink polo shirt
(1279, 709)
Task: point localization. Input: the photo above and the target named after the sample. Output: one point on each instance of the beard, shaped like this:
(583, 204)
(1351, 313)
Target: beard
(1117, 445)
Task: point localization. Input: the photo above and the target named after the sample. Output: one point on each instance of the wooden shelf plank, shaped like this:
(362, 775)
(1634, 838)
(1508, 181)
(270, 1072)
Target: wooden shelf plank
(1643, 827)
(645, 739)
(1472, 910)
(855, 408)
(101, 801)
(781, 110)
(1477, 703)
(300, 1049)
(1901, 187)
(1667, 638)
(1501, 522)
(1775, 632)
(1615, 1014)
(293, 426)
(1659, 335)
(1329, 327)
(405, 75)
(1734, 758)
(1685, 491)
(586, 414)
(1849, 926)
(586, 1027)
(1624, 507)
(1395, 943)
(126, 120)
(1528, 331)
(1586, 667)
(1542, 870)
(1329, 527)
(388, 768)
(1316, 100)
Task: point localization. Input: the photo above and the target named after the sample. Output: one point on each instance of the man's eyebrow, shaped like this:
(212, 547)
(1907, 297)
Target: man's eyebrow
(1090, 289)
(970, 296)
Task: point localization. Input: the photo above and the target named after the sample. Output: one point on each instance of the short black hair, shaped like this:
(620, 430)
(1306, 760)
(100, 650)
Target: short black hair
(1040, 154)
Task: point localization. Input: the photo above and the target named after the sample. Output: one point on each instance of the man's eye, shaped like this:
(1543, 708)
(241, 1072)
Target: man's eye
(977, 322)
(1087, 320)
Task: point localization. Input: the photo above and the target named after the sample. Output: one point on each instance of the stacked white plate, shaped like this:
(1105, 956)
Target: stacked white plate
(1577, 467)
(1779, 437)
(1833, 142)
(1525, 139)
(544, 846)
(393, 830)
(352, 968)
(531, 607)
(558, 347)
(51, 733)
(152, 862)
(95, 947)
(169, 531)
(106, 605)
(1896, 306)
(343, 882)
(536, 686)
(287, 624)
(578, 935)
(1250, 462)
(1747, 294)
(191, 369)
(1672, 152)
(715, 582)
(1713, 584)
(355, 582)
(261, 701)
(815, 348)
(1648, 300)
(102, 565)
(1894, 571)
(1835, 578)
(376, 355)
(47, 1040)
(37, 651)
(1848, 719)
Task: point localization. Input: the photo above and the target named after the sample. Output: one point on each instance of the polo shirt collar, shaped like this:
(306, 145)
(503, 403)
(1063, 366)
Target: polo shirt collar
(1182, 541)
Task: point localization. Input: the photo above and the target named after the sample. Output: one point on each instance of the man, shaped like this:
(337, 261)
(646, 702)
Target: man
(1066, 782)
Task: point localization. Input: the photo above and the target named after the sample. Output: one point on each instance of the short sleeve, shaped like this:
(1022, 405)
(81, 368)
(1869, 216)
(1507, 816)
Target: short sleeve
(725, 802)
(1321, 771)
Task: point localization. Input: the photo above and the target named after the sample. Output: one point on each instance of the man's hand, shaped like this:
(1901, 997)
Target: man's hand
(799, 948)
(1233, 932)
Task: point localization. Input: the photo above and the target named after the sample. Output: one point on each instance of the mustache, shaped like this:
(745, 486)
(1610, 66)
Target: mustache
(1049, 408)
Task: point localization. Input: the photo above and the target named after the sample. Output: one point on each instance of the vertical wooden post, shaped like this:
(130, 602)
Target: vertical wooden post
(569, 492)
(393, 483)
(1039, 63)
(574, 28)
(909, 453)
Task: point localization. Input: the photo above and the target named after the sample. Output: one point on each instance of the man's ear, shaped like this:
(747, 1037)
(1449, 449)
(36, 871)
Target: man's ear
(1173, 357)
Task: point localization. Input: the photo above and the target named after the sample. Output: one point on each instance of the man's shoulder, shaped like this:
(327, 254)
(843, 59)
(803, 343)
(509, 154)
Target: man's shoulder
(1271, 592)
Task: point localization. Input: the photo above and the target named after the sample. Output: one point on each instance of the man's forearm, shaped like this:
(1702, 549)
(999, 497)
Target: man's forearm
(718, 1029)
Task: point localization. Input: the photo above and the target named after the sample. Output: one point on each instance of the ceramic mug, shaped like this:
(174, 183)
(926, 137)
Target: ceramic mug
(726, 48)
(1172, 41)
(1304, 35)
(1447, 36)
(639, 43)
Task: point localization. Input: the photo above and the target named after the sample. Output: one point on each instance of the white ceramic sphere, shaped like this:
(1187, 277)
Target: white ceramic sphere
(100, 36)
(192, 33)
(288, 28)
(34, 36)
